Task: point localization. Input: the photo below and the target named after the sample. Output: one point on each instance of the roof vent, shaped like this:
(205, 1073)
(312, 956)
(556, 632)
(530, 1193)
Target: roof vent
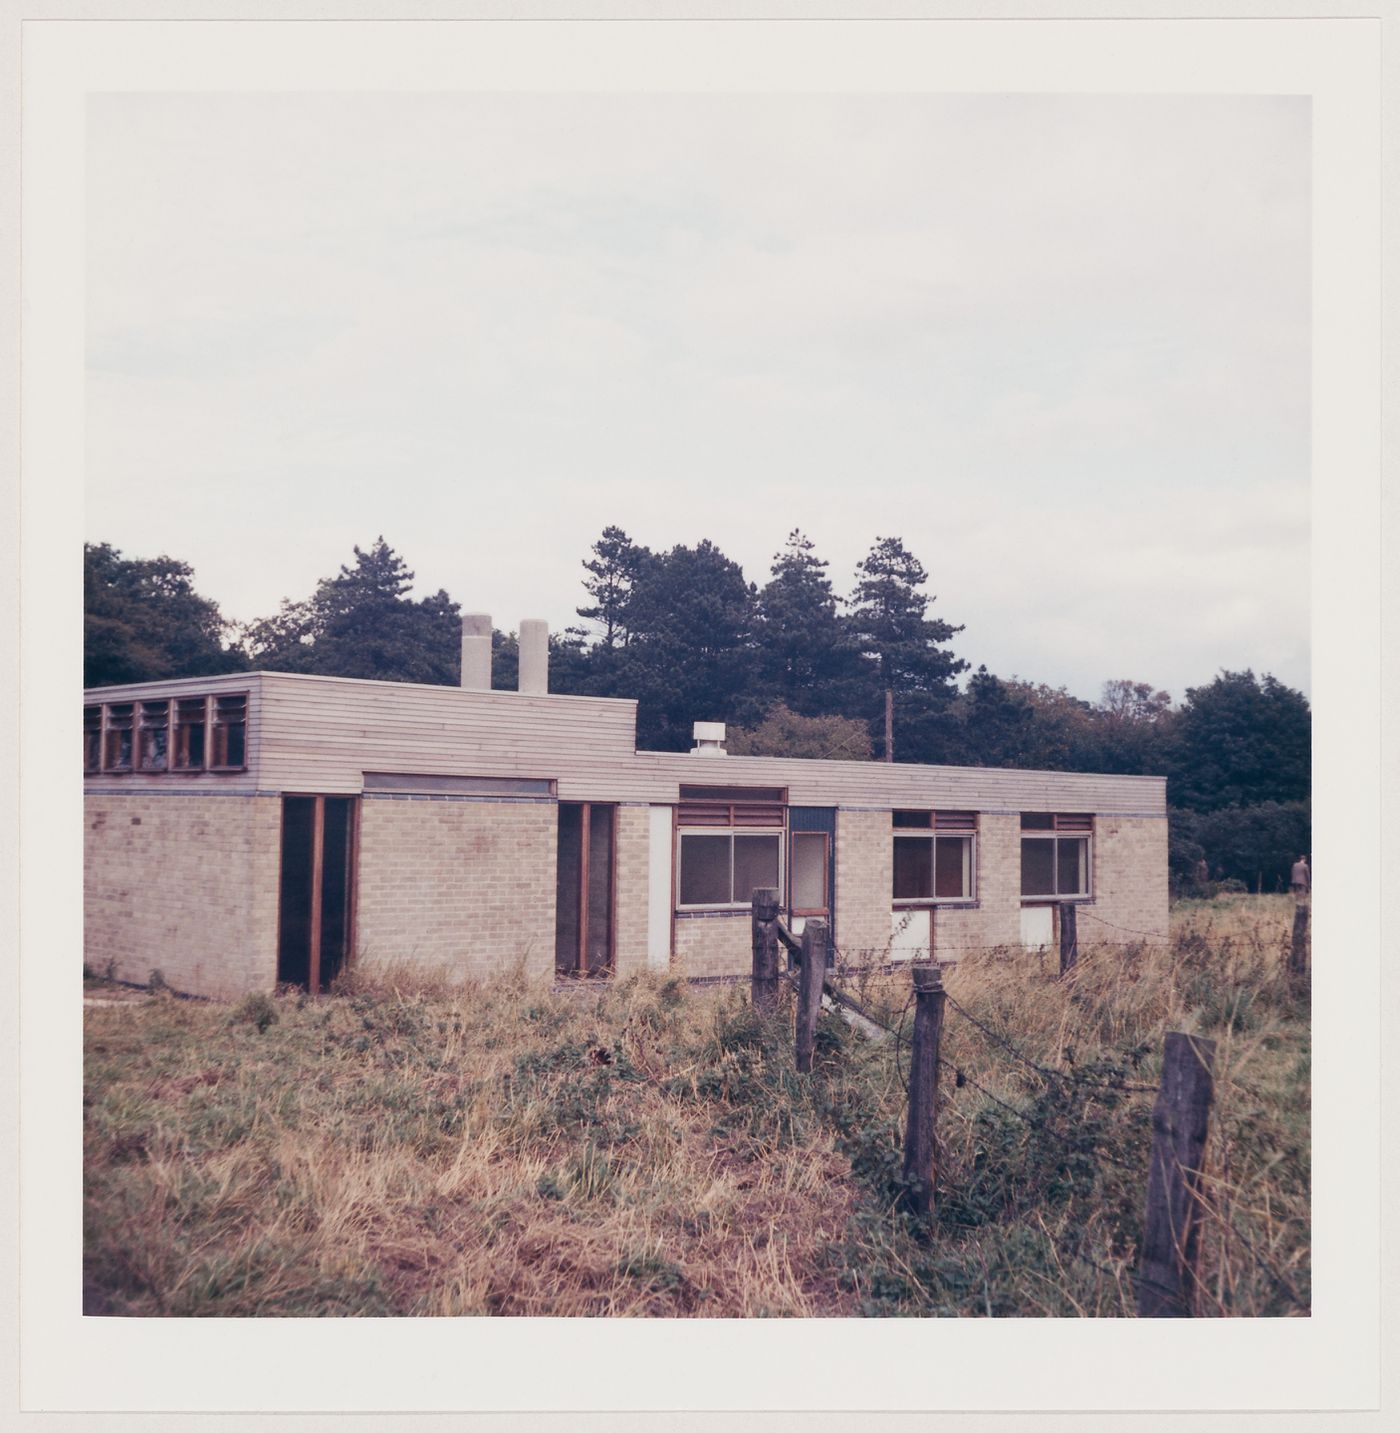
(709, 739)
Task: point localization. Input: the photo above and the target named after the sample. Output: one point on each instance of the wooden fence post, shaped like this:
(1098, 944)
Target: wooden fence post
(1167, 1267)
(809, 991)
(764, 990)
(1298, 955)
(920, 1139)
(1069, 937)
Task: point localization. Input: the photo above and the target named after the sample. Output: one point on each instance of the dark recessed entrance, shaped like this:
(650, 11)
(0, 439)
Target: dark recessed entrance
(583, 924)
(316, 901)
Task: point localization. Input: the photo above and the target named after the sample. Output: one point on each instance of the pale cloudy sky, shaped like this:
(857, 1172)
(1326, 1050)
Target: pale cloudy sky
(1059, 345)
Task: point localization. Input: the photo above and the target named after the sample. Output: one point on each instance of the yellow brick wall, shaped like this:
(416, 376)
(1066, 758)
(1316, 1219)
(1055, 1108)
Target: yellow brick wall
(633, 856)
(864, 881)
(1130, 881)
(996, 920)
(714, 945)
(462, 889)
(186, 885)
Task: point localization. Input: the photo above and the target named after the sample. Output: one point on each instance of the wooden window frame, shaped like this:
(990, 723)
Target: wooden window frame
(316, 910)
(936, 826)
(178, 726)
(92, 732)
(584, 968)
(211, 740)
(1066, 826)
(778, 832)
(106, 731)
(144, 723)
(825, 838)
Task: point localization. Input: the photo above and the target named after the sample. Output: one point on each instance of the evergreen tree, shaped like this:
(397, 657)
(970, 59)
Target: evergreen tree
(805, 654)
(1239, 741)
(362, 623)
(689, 656)
(614, 570)
(889, 619)
(143, 621)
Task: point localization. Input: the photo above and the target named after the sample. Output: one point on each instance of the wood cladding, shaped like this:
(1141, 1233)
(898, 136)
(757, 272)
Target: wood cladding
(322, 734)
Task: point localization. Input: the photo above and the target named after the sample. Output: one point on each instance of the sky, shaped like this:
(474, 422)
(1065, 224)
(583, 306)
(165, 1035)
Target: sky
(1059, 345)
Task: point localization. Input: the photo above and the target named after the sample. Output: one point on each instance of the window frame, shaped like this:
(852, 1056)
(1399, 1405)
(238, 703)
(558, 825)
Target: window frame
(731, 811)
(776, 832)
(1063, 827)
(936, 826)
(138, 716)
(789, 886)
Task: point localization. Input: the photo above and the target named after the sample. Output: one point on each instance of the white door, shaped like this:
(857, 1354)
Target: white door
(1037, 925)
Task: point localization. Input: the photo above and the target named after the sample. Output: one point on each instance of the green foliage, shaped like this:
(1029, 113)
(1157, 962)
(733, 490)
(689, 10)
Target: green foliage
(258, 1010)
(689, 655)
(613, 571)
(143, 621)
(1252, 846)
(783, 732)
(889, 621)
(1241, 741)
(805, 651)
(362, 623)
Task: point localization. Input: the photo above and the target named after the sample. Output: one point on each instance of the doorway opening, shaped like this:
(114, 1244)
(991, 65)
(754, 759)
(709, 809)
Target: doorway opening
(584, 891)
(316, 896)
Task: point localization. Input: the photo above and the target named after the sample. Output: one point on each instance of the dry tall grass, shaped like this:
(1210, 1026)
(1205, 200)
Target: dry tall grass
(647, 1149)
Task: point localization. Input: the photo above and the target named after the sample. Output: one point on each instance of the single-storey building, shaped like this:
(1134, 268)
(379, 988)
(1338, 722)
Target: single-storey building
(259, 828)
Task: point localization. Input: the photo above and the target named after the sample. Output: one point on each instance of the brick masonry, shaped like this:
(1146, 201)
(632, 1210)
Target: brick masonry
(186, 885)
(714, 944)
(456, 889)
(633, 857)
(1130, 881)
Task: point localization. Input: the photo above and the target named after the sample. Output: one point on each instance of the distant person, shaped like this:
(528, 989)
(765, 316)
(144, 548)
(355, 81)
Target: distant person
(1201, 876)
(1301, 878)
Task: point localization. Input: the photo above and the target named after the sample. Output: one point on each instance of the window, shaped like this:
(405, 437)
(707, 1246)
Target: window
(155, 736)
(230, 731)
(731, 854)
(92, 738)
(1055, 854)
(810, 860)
(185, 734)
(191, 722)
(116, 745)
(934, 855)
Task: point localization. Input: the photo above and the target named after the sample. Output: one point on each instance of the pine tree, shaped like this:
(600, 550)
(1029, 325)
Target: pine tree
(806, 656)
(889, 619)
(614, 569)
(362, 623)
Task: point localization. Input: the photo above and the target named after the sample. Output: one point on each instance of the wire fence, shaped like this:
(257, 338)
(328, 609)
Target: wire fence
(1053, 1117)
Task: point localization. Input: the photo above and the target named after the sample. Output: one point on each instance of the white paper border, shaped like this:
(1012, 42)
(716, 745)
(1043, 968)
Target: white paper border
(1329, 1361)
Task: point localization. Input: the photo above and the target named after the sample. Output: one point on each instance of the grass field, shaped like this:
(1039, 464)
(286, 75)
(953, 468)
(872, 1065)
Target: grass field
(648, 1149)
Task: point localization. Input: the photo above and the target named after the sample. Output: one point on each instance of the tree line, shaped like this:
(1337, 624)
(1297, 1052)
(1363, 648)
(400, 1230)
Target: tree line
(793, 667)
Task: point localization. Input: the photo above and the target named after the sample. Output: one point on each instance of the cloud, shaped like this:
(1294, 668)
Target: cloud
(1059, 344)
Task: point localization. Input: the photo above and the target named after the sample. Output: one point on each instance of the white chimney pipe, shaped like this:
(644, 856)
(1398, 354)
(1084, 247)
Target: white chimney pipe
(534, 656)
(476, 652)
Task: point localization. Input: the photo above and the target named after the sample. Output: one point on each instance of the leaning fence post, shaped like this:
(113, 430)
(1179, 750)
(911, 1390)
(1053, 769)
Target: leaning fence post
(1167, 1268)
(764, 991)
(809, 991)
(919, 1136)
(1298, 955)
(1069, 938)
